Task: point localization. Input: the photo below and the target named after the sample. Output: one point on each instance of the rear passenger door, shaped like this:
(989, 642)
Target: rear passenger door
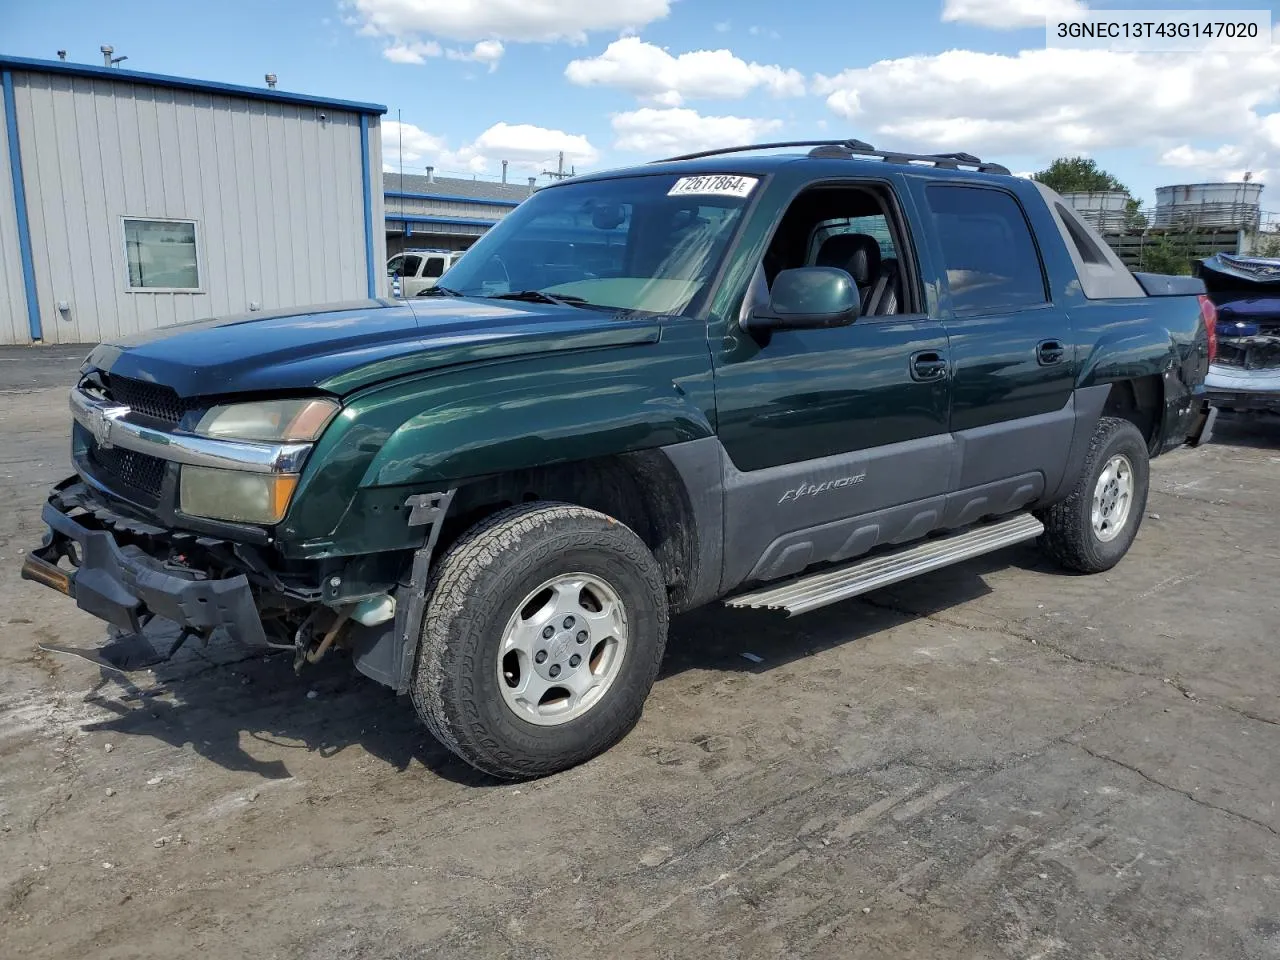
(1013, 365)
(432, 270)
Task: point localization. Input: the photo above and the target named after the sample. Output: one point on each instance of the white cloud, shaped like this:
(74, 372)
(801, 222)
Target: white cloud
(1227, 155)
(526, 146)
(512, 20)
(417, 51)
(1049, 102)
(757, 31)
(1008, 14)
(413, 52)
(417, 145)
(673, 131)
(724, 26)
(486, 51)
(650, 72)
(1228, 162)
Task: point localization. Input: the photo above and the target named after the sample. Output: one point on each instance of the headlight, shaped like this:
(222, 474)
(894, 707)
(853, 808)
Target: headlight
(235, 495)
(274, 420)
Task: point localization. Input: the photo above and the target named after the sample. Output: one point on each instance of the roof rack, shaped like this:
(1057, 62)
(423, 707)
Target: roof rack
(856, 148)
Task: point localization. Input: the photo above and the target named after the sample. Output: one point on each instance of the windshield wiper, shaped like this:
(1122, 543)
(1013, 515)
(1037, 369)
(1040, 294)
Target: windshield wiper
(541, 296)
(439, 291)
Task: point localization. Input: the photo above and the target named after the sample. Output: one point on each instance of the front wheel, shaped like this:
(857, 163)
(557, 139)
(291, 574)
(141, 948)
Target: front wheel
(544, 630)
(1094, 527)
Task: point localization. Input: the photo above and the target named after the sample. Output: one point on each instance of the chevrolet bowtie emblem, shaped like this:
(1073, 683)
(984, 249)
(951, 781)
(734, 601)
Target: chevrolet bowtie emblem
(101, 421)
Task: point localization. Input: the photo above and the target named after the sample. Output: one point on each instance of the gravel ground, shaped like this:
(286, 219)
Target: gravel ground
(996, 760)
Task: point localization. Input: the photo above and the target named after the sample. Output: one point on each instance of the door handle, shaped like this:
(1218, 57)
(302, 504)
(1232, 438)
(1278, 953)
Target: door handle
(1049, 352)
(928, 365)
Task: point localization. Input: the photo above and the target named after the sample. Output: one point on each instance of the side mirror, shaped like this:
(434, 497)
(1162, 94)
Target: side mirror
(808, 298)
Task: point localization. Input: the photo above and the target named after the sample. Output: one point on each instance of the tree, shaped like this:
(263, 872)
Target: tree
(1082, 175)
(1167, 253)
(1078, 174)
(1265, 244)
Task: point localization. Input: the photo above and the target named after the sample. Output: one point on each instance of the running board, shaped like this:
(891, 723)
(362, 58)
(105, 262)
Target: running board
(831, 586)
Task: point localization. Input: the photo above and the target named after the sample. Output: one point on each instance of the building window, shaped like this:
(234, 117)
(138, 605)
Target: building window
(161, 254)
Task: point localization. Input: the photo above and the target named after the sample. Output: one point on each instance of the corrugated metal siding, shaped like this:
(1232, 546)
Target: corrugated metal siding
(378, 217)
(13, 302)
(275, 192)
(418, 207)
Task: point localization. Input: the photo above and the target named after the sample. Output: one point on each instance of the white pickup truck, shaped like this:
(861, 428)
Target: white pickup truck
(413, 271)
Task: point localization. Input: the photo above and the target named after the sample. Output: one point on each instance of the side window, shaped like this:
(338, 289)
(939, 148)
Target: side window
(435, 267)
(395, 265)
(851, 228)
(1085, 246)
(990, 257)
(411, 266)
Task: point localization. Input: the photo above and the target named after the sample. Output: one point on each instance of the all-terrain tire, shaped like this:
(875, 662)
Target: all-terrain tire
(1069, 535)
(476, 588)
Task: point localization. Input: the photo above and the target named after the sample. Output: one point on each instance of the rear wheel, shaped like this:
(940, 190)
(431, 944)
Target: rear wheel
(544, 630)
(1094, 527)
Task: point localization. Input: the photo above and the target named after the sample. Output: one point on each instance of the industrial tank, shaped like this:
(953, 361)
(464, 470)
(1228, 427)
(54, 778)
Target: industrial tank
(1104, 209)
(1225, 206)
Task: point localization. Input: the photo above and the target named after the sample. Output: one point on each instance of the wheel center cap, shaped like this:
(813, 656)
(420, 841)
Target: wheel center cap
(558, 648)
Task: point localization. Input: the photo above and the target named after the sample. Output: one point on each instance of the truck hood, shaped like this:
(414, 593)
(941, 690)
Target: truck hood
(340, 348)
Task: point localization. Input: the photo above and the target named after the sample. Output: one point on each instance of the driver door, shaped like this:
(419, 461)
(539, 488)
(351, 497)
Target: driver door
(837, 439)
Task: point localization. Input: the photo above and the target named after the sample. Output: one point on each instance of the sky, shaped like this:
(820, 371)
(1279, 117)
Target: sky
(469, 83)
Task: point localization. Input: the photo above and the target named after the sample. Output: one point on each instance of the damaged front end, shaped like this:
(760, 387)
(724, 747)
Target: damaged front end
(1245, 374)
(128, 572)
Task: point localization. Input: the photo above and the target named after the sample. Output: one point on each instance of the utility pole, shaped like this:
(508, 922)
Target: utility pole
(558, 173)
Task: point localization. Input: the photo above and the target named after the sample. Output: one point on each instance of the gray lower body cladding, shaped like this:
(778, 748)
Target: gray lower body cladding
(803, 594)
(780, 520)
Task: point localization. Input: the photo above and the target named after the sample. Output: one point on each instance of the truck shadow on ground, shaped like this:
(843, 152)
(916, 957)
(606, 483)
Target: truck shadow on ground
(1261, 430)
(238, 708)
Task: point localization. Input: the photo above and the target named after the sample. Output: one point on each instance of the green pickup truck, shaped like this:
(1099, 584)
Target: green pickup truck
(780, 376)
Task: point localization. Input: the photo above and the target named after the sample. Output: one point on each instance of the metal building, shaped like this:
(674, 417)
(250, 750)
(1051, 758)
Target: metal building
(444, 213)
(130, 200)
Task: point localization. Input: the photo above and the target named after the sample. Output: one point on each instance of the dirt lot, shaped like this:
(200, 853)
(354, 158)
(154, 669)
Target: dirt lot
(994, 761)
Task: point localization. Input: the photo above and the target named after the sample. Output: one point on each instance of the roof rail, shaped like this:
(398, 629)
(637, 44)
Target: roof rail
(856, 148)
(850, 144)
(950, 161)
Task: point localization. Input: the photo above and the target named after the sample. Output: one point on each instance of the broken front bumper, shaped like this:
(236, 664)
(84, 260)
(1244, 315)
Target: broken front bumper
(124, 586)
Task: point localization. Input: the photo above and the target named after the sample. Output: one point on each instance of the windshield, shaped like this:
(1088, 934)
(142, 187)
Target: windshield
(648, 243)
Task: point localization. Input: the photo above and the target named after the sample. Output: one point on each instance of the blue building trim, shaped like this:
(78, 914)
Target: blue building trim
(20, 209)
(397, 195)
(462, 221)
(184, 83)
(368, 205)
